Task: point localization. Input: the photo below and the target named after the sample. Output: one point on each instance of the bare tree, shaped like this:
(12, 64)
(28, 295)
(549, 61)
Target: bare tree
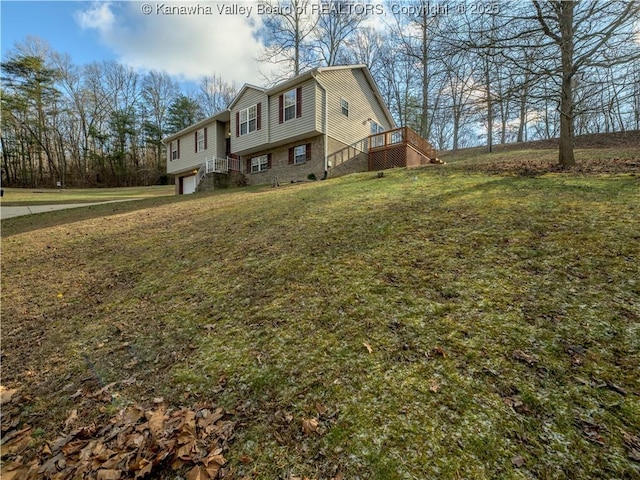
(586, 34)
(158, 93)
(287, 28)
(333, 29)
(215, 94)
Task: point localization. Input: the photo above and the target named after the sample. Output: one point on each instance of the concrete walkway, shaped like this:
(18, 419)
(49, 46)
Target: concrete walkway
(10, 211)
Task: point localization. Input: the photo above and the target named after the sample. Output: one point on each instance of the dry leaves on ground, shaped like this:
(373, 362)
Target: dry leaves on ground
(136, 443)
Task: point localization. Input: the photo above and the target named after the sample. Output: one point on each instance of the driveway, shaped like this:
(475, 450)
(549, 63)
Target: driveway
(10, 212)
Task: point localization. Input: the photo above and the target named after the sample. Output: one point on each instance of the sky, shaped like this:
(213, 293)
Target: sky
(143, 35)
(217, 37)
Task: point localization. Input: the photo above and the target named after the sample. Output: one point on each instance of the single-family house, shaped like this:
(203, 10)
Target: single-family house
(326, 122)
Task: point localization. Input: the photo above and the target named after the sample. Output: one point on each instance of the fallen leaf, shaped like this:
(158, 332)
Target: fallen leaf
(309, 425)
(6, 394)
(215, 457)
(592, 431)
(434, 386)
(368, 347)
(438, 351)
(12, 471)
(71, 419)
(197, 473)
(156, 422)
(109, 474)
(524, 357)
(18, 444)
(145, 467)
(633, 445)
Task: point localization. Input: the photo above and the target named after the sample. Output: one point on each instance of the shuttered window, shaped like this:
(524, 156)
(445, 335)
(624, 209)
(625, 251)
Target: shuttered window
(201, 140)
(249, 119)
(260, 164)
(290, 105)
(299, 154)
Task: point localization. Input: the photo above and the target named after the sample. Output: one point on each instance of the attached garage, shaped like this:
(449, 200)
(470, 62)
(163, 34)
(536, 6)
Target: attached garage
(187, 184)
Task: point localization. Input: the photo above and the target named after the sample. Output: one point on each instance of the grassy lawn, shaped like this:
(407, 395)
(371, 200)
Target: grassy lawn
(35, 196)
(478, 155)
(435, 323)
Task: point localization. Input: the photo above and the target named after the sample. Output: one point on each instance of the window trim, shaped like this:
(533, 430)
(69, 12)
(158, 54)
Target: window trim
(248, 120)
(245, 119)
(293, 158)
(376, 129)
(201, 140)
(344, 105)
(299, 158)
(261, 162)
(175, 150)
(290, 102)
(294, 102)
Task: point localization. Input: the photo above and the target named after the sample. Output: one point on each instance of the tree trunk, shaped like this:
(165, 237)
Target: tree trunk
(565, 152)
(424, 110)
(487, 78)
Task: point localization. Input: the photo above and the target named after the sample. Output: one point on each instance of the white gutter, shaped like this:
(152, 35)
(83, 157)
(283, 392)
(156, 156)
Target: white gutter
(326, 127)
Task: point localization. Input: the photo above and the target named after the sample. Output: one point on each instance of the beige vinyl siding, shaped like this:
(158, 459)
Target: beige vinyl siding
(352, 85)
(306, 125)
(189, 159)
(256, 138)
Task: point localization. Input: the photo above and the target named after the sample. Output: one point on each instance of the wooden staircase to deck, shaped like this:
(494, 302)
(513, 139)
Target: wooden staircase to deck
(401, 147)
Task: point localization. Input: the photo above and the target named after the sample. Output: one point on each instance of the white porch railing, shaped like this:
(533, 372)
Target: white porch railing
(234, 164)
(221, 165)
(217, 165)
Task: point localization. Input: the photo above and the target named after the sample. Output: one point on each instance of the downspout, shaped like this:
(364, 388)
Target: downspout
(326, 128)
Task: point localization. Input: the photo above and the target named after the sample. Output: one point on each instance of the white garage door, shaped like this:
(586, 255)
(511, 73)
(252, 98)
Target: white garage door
(189, 184)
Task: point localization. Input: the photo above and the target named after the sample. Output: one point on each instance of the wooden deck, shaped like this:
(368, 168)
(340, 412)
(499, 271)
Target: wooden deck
(401, 147)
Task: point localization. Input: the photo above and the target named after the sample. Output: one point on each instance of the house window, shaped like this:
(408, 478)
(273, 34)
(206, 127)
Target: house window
(345, 107)
(175, 150)
(259, 164)
(201, 143)
(290, 105)
(300, 154)
(375, 128)
(248, 120)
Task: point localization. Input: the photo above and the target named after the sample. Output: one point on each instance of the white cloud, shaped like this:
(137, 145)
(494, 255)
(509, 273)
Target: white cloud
(98, 16)
(185, 46)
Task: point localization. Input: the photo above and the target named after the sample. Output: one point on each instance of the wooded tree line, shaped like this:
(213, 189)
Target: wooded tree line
(100, 124)
(489, 73)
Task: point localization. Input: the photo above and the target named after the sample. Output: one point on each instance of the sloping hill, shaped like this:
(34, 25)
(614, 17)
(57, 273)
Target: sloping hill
(596, 153)
(432, 323)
